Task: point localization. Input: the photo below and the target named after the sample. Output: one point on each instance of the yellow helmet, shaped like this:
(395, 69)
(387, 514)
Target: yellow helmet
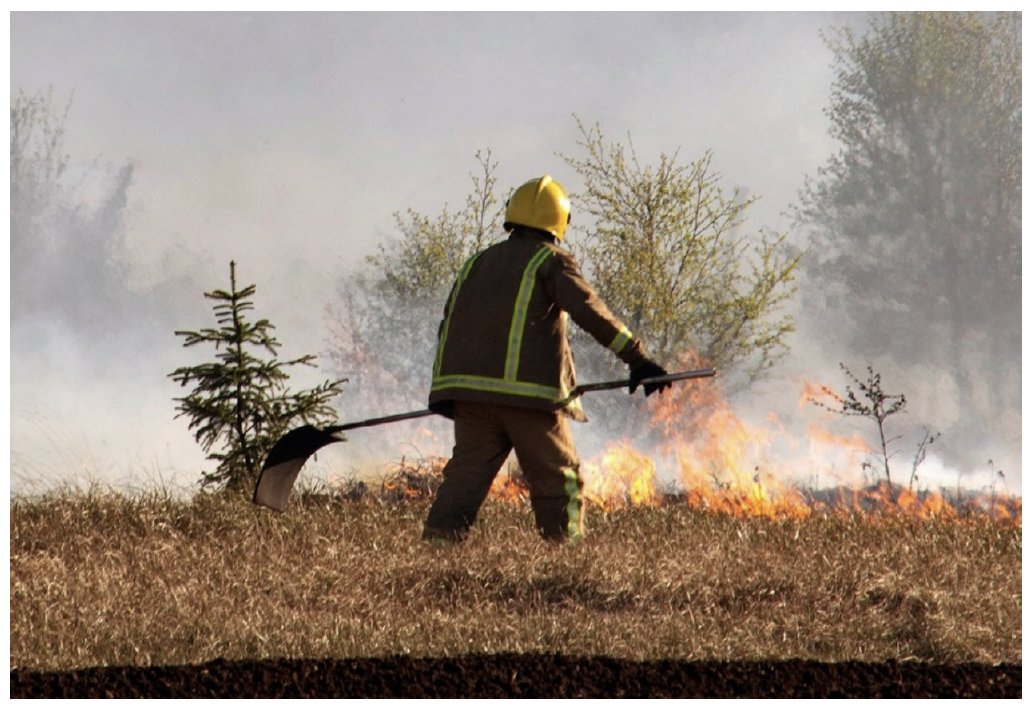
(539, 204)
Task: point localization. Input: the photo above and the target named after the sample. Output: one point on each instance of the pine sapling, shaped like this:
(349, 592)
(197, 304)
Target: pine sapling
(240, 402)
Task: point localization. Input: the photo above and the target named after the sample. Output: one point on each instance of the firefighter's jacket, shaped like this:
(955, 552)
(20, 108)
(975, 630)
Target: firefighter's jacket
(503, 336)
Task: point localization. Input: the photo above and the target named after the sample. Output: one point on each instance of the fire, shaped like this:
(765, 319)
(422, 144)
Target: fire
(819, 436)
(811, 393)
(511, 487)
(623, 476)
(713, 459)
(726, 465)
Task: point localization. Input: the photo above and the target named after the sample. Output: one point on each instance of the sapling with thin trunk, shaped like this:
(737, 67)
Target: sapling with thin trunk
(871, 402)
(240, 402)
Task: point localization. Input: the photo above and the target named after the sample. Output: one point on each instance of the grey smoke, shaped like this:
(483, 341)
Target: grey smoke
(286, 142)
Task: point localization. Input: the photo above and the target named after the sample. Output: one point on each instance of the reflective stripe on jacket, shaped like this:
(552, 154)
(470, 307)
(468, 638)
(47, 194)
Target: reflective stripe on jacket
(503, 335)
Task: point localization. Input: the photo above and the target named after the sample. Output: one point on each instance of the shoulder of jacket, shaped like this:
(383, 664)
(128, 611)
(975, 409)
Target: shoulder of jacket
(561, 258)
(484, 250)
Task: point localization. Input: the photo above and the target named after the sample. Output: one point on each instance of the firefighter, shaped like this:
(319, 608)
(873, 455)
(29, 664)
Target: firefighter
(504, 372)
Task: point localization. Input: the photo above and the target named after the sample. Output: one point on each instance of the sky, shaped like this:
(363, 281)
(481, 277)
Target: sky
(287, 141)
(303, 133)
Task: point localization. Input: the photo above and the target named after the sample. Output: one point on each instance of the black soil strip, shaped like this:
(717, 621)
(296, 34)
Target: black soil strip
(526, 676)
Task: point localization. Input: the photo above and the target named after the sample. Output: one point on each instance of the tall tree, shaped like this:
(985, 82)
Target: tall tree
(916, 221)
(667, 250)
(67, 264)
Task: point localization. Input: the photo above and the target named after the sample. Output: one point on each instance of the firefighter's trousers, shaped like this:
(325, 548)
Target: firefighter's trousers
(484, 435)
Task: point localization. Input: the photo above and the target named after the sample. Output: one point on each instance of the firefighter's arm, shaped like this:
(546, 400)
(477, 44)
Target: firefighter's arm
(571, 292)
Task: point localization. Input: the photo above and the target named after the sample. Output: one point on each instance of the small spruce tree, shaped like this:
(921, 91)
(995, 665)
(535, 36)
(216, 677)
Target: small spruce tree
(240, 403)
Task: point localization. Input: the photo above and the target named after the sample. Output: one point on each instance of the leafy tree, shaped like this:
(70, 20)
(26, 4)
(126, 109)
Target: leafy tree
(916, 222)
(38, 163)
(668, 256)
(60, 235)
(666, 250)
(240, 402)
(384, 332)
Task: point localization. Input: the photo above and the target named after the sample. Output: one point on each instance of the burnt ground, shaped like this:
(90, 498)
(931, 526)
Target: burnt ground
(526, 676)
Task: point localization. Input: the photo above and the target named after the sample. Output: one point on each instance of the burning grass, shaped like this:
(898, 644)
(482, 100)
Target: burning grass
(104, 579)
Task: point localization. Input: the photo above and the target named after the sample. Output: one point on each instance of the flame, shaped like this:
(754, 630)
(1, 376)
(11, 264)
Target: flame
(624, 476)
(726, 465)
(510, 487)
(811, 393)
(721, 463)
(819, 436)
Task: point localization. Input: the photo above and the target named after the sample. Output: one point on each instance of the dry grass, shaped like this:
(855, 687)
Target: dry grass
(103, 579)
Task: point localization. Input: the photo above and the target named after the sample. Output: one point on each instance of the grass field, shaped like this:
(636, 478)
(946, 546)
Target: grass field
(102, 579)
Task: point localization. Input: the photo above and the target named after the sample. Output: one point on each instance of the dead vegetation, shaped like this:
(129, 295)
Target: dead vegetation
(101, 579)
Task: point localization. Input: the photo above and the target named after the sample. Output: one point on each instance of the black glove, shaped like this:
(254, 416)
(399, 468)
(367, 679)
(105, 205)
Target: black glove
(647, 369)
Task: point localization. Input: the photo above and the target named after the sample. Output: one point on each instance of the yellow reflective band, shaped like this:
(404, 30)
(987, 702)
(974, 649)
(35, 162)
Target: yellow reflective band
(462, 275)
(574, 509)
(486, 383)
(518, 318)
(621, 340)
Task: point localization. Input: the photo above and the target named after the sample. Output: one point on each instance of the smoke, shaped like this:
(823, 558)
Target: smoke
(91, 401)
(966, 452)
(87, 340)
(289, 156)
